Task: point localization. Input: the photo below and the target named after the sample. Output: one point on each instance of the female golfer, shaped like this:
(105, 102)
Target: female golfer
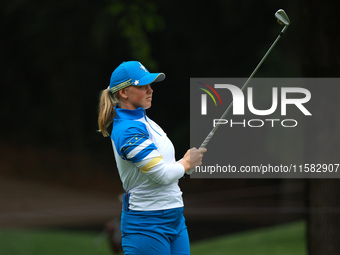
(152, 220)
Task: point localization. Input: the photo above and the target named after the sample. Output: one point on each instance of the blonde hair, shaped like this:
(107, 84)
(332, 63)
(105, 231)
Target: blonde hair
(106, 110)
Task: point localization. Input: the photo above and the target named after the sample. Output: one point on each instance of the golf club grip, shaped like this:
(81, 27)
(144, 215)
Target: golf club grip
(207, 140)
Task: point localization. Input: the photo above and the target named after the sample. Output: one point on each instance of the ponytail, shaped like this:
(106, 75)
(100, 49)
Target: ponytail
(106, 110)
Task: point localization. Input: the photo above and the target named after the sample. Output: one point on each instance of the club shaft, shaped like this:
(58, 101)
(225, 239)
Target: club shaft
(212, 132)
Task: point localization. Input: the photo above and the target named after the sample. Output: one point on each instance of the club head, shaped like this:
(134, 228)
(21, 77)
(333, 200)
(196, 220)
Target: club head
(282, 17)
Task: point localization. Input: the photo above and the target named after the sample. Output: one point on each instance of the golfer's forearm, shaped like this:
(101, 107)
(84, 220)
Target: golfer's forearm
(166, 173)
(185, 164)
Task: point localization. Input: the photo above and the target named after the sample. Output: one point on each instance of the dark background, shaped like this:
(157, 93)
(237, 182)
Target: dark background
(56, 56)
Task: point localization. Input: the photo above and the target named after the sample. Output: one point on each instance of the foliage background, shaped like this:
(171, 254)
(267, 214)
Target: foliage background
(56, 56)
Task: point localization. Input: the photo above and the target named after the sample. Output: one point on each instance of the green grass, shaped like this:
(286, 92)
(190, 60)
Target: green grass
(278, 240)
(42, 242)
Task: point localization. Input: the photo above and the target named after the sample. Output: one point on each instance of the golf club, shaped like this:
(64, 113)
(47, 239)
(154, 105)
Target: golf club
(282, 19)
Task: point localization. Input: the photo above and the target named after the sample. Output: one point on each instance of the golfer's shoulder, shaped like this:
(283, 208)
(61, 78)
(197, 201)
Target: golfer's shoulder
(129, 128)
(133, 126)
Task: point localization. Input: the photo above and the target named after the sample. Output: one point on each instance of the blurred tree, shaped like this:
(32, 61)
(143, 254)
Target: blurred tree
(320, 56)
(135, 19)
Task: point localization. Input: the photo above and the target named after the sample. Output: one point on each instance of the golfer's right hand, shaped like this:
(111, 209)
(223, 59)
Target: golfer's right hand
(193, 158)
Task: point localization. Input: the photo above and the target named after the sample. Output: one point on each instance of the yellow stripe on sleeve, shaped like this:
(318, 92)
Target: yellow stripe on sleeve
(154, 161)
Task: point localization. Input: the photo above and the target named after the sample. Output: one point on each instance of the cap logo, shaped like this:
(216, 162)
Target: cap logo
(142, 67)
(136, 82)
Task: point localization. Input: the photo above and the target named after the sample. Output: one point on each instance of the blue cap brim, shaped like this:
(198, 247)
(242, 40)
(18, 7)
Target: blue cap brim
(150, 78)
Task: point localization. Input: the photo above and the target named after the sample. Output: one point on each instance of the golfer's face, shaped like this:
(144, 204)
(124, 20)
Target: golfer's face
(139, 96)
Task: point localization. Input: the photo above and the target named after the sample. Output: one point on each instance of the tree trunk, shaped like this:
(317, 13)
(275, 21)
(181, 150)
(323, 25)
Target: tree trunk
(324, 220)
(320, 58)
